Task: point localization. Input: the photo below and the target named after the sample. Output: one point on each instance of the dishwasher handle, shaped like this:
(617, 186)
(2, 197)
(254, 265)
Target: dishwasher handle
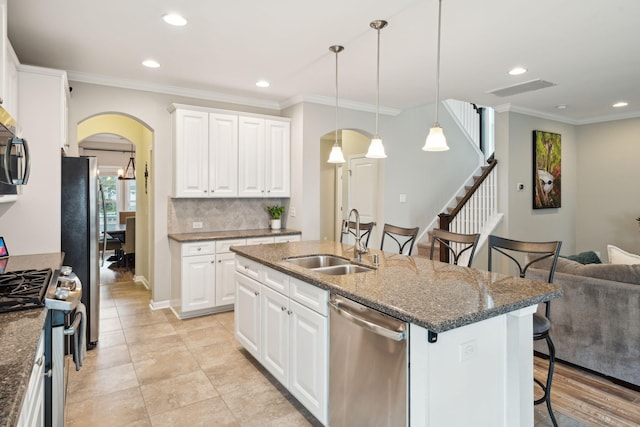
(373, 327)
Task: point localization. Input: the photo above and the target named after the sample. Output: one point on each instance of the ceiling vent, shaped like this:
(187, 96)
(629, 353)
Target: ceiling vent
(522, 88)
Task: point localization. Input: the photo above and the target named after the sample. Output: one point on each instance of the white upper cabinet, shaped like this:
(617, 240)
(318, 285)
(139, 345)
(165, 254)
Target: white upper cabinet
(219, 153)
(264, 161)
(191, 153)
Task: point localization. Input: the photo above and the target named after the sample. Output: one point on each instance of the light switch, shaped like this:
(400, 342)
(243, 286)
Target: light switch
(403, 198)
(292, 212)
(197, 224)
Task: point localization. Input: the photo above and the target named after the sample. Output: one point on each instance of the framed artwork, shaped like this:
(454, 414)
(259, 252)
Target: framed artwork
(547, 170)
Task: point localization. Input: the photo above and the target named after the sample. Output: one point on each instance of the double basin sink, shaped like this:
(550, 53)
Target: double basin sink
(328, 264)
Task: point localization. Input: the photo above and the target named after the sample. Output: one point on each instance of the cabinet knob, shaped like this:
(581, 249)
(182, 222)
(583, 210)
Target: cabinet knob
(49, 373)
(199, 249)
(289, 312)
(283, 308)
(256, 293)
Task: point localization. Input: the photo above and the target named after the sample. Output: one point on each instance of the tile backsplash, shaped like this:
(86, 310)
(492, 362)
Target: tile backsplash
(220, 214)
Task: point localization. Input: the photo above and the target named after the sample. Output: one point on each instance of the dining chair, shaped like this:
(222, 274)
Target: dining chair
(456, 244)
(533, 252)
(402, 236)
(129, 245)
(365, 231)
(110, 245)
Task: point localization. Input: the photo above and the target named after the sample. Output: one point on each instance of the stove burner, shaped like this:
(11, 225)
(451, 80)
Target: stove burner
(21, 290)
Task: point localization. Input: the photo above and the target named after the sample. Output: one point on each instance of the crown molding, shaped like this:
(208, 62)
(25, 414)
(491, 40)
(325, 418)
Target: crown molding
(503, 108)
(331, 102)
(171, 90)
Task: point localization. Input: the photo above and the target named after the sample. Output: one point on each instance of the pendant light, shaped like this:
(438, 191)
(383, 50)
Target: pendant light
(436, 140)
(376, 149)
(336, 155)
(129, 173)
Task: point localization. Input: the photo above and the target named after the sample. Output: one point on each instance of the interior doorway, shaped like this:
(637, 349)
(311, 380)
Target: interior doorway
(129, 142)
(340, 190)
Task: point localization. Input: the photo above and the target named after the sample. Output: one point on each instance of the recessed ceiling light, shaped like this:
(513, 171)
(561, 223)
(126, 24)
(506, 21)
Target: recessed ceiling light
(516, 71)
(150, 63)
(263, 83)
(620, 104)
(174, 19)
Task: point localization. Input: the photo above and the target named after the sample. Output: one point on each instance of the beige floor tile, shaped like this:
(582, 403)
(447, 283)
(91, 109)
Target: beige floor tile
(149, 332)
(143, 318)
(107, 357)
(253, 405)
(89, 383)
(219, 354)
(121, 408)
(160, 366)
(111, 338)
(201, 322)
(206, 413)
(108, 312)
(112, 324)
(176, 392)
(165, 345)
(207, 336)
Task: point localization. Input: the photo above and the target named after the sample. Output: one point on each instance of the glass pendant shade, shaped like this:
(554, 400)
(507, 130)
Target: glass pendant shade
(376, 149)
(336, 155)
(435, 140)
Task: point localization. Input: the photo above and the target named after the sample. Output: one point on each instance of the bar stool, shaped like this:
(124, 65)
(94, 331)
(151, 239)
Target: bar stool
(456, 244)
(402, 236)
(349, 227)
(536, 251)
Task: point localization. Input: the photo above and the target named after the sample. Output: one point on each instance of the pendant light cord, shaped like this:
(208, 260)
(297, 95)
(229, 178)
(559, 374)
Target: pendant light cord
(337, 51)
(378, 84)
(438, 62)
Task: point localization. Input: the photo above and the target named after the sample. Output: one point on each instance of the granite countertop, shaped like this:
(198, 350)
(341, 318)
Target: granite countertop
(19, 335)
(431, 294)
(231, 234)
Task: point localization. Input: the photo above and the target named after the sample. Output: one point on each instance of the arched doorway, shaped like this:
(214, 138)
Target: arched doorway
(338, 182)
(140, 135)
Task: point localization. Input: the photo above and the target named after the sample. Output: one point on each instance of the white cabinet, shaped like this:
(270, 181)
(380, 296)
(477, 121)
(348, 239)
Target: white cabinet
(287, 238)
(287, 332)
(220, 153)
(32, 413)
(247, 314)
(264, 158)
(202, 277)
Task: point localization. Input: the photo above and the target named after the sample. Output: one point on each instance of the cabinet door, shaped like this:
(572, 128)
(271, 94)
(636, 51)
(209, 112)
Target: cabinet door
(191, 153)
(309, 362)
(225, 280)
(277, 159)
(198, 282)
(223, 155)
(251, 149)
(32, 413)
(247, 314)
(275, 334)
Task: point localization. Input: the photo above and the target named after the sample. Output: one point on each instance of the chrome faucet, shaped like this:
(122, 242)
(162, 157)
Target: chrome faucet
(358, 248)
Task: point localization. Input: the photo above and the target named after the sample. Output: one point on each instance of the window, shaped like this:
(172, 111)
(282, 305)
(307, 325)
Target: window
(119, 195)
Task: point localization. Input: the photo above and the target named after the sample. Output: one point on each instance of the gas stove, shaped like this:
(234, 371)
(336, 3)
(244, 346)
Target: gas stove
(23, 289)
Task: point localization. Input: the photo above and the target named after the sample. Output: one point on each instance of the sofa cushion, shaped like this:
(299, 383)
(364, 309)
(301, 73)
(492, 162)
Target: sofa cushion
(589, 257)
(614, 272)
(618, 256)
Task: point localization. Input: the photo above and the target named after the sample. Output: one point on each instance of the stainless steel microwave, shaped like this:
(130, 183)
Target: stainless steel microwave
(14, 153)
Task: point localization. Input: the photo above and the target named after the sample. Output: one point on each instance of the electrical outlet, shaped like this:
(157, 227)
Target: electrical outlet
(197, 224)
(403, 198)
(292, 212)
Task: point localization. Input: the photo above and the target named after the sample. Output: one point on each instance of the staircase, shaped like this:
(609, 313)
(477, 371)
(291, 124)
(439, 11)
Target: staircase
(474, 209)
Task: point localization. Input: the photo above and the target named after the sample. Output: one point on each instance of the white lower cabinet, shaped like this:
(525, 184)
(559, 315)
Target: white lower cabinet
(32, 413)
(287, 335)
(225, 282)
(199, 273)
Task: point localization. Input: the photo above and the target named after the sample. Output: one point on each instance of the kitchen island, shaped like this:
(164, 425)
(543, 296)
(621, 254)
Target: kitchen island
(470, 331)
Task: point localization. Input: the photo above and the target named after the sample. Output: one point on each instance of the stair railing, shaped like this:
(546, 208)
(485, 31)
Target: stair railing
(475, 209)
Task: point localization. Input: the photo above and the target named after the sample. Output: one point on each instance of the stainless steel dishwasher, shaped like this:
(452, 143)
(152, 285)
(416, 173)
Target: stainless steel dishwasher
(367, 366)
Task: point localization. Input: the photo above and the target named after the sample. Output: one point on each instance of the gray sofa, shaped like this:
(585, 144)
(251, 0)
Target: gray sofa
(596, 324)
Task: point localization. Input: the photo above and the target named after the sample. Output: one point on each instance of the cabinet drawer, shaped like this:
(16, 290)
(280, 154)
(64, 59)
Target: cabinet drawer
(310, 296)
(223, 245)
(248, 268)
(276, 280)
(199, 248)
(259, 240)
(285, 239)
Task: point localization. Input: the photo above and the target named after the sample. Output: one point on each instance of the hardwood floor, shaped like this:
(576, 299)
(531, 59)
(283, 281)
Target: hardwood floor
(579, 398)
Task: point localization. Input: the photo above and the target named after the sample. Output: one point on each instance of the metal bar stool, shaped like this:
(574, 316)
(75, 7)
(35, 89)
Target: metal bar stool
(454, 243)
(349, 227)
(536, 251)
(402, 236)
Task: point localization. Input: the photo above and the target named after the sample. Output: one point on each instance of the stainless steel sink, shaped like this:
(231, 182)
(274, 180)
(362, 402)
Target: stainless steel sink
(328, 264)
(317, 261)
(339, 270)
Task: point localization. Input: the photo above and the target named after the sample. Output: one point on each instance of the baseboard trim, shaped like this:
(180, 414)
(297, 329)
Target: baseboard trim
(159, 305)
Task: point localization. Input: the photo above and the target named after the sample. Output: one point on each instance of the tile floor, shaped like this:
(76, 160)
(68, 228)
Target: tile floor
(151, 369)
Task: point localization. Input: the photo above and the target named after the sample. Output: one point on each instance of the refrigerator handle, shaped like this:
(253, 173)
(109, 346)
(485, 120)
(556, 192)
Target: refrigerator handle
(364, 323)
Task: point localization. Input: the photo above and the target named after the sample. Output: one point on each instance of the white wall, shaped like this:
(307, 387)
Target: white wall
(608, 185)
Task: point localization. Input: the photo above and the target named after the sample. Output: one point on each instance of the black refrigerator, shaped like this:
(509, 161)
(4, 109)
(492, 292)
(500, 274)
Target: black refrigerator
(79, 233)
